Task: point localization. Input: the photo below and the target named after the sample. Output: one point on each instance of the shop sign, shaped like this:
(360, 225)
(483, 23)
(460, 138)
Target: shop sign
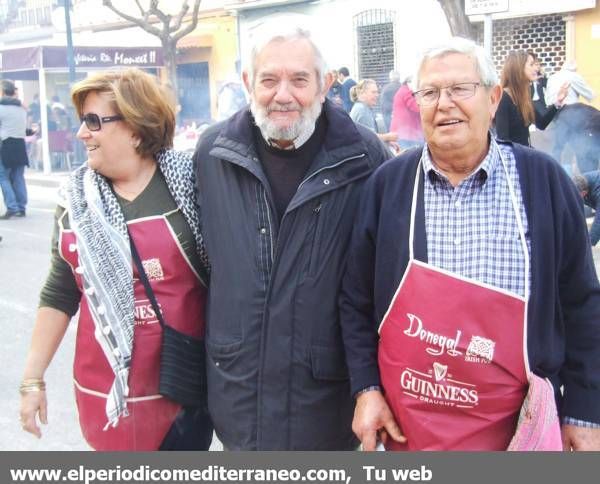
(522, 8)
(86, 57)
(478, 7)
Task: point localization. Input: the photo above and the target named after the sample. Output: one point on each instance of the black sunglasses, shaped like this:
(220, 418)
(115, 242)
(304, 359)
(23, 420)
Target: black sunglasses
(94, 122)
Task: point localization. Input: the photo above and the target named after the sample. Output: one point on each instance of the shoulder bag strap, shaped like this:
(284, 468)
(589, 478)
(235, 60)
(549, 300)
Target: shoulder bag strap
(144, 278)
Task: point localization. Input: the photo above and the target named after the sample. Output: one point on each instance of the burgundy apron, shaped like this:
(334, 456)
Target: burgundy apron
(182, 298)
(453, 356)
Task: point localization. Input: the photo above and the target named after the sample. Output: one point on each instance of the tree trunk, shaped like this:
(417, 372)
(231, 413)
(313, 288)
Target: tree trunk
(170, 55)
(458, 21)
(169, 30)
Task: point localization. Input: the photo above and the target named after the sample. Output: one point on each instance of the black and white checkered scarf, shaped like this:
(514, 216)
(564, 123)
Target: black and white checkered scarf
(105, 260)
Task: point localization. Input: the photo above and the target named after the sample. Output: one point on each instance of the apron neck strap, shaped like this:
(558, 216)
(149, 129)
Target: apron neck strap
(413, 210)
(517, 209)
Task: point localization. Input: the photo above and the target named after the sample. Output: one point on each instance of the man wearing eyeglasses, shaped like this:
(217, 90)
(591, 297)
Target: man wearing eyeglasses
(470, 293)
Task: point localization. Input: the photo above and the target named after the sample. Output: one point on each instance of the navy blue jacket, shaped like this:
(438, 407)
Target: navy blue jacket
(277, 377)
(592, 199)
(564, 306)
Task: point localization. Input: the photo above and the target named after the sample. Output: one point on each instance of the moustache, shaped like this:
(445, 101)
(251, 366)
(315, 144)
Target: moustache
(283, 108)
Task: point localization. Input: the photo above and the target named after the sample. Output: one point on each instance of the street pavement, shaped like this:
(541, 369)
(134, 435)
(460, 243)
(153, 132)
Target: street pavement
(24, 262)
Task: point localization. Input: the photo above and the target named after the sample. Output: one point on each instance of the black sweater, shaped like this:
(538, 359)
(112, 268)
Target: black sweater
(510, 125)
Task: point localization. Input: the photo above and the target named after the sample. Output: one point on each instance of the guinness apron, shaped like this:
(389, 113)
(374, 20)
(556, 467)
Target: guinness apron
(453, 355)
(182, 298)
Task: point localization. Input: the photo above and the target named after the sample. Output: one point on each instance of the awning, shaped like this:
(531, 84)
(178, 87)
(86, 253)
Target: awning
(55, 57)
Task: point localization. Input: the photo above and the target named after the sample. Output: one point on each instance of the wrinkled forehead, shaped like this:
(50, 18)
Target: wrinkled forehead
(286, 54)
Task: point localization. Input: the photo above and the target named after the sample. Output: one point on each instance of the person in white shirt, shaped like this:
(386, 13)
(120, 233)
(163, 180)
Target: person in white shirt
(577, 85)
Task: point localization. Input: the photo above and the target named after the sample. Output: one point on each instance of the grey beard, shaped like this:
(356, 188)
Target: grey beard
(308, 119)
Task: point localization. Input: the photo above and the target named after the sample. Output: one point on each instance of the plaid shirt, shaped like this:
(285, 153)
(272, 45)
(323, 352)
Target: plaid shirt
(472, 228)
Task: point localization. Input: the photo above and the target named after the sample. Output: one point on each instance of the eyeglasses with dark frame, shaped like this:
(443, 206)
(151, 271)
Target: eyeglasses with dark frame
(94, 122)
(431, 95)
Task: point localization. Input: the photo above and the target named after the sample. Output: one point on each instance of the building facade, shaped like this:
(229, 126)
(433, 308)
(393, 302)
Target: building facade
(370, 38)
(557, 31)
(586, 48)
(205, 59)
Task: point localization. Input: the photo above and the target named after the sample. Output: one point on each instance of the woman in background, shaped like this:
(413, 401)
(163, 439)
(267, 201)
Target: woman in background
(365, 96)
(516, 111)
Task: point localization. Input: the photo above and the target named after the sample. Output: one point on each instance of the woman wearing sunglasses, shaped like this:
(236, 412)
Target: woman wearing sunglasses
(132, 189)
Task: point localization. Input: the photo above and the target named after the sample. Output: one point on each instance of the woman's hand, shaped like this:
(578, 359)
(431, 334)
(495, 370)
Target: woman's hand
(48, 331)
(562, 94)
(33, 404)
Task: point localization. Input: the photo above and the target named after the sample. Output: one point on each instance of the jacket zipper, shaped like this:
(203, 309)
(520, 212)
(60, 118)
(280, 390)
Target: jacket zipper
(315, 213)
(273, 242)
(268, 207)
(274, 249)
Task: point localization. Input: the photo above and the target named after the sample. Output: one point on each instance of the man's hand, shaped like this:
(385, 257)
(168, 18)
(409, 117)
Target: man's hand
(372, 415)
(580, 438)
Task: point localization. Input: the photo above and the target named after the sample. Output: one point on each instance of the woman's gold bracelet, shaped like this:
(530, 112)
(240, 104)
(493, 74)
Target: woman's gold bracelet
(29, 385)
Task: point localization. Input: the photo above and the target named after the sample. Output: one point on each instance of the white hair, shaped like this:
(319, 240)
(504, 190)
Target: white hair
(459, 45)
(282, 30)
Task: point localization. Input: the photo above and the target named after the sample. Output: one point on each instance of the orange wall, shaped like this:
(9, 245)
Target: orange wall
(214, 41)
(587, 49)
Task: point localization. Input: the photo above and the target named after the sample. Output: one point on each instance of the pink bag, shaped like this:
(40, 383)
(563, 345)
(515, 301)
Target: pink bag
(538, 427)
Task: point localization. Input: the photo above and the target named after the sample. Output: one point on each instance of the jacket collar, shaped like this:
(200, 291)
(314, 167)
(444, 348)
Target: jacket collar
(342, 139)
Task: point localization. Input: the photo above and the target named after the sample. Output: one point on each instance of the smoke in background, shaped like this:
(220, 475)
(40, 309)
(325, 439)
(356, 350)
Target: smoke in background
(576, 132)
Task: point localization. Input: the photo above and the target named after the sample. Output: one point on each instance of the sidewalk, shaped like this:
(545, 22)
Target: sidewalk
(53, 180)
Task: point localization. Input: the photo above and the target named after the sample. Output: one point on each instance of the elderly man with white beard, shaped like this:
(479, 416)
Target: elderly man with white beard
(278, 187)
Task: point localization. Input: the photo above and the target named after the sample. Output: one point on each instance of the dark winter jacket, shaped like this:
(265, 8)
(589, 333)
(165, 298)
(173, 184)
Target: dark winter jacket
(563, 329)
(277, 377)
(592, 199)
